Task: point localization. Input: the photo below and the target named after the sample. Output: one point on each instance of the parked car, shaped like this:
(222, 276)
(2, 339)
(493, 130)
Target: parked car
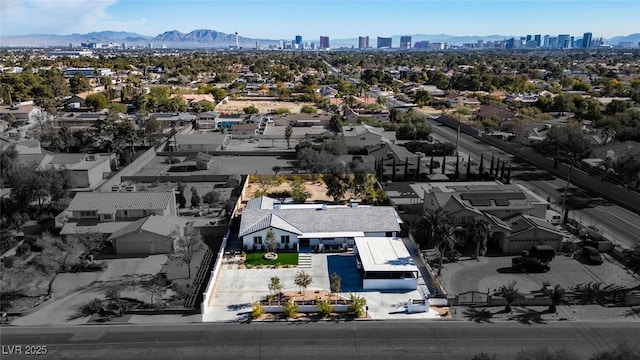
(529, 264)
(544, 253)
(591, 255)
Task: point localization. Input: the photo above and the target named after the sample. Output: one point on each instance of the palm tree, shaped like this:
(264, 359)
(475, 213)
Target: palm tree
(556, 295)
(632, 259)
(428, 223)
(303, 280)
(446, 240)
(510, 293)
(481, 230)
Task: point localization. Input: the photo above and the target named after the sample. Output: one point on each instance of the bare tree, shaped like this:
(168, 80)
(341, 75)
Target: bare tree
(91, 241)
(186, 246)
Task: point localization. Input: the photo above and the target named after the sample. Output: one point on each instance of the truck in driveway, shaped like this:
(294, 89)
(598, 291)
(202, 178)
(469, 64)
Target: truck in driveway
(544, 253)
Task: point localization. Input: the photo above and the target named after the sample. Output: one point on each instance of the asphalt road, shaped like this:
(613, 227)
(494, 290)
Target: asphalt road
(322, 340)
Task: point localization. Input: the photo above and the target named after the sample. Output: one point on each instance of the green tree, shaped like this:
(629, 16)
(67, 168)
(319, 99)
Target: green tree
(302, 280)
(422, 98)
(337, 185)
(91, 241)
(96, 102)
(79, 83)
(628, 168)
(180, 198)
(308, 109)
(428, 226)
(445, 241)
(212, 197)
(288, 131)
(250, 110)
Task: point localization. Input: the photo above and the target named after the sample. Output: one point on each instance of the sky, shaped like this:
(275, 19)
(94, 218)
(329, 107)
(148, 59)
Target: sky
(268, 19)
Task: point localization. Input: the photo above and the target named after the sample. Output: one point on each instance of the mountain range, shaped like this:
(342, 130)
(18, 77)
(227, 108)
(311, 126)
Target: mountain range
(203, 38)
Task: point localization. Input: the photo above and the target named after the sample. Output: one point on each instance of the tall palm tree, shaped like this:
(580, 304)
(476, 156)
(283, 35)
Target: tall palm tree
(446, 240)
(481, 231)
(428, 223)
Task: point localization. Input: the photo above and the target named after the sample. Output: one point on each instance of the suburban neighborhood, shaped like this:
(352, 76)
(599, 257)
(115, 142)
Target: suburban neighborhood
(172, 186)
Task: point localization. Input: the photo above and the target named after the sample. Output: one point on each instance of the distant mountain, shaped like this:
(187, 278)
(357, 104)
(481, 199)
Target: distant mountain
(204, 38)
(207, 38)
(634, 38)
(48, 40)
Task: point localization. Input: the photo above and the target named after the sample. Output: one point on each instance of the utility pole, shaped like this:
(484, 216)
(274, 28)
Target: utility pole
(565, 212)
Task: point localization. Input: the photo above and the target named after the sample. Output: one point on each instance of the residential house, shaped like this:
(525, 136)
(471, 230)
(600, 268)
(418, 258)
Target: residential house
(353, 116)
(205, 142)
(301, 120)
(194, 162)
(86, 170)
(25, 146)
(23, 114)
(152, 234)
(107, 212)
(462, 100)
(496, 202)
(81, 119)
(363, 136)
(245, 130)
(527, 231)
(487, 111)
(313, 225)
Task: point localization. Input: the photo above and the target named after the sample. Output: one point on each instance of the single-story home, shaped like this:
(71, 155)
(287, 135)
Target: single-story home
(313, 225)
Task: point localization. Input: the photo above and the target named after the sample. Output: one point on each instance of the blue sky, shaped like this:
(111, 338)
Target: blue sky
(333, 18)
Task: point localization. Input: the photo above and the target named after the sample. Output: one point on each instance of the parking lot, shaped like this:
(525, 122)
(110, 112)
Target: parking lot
(490, 273)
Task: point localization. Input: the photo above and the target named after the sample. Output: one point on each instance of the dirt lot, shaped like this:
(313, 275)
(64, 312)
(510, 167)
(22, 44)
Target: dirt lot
(236, 106)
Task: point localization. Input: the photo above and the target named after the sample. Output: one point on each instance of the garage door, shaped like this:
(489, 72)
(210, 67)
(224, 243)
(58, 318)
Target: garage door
(132, 247)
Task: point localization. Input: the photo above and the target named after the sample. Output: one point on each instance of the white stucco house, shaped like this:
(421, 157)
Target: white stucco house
(313, 225)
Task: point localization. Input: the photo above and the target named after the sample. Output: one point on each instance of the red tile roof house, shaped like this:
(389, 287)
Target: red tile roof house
(107, 213)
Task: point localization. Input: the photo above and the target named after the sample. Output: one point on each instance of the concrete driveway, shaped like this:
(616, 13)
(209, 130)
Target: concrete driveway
(236, 289)
(133, 267)
(492, 272)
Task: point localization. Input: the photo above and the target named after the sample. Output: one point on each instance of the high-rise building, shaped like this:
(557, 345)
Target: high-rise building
(298, 39)
(529, 37)
(564, 41)
(545, 44)
(536, 38)
(324, 42)
(384, 43)
(553, 42)
(363, 42)
(586, 40)
(405, 42)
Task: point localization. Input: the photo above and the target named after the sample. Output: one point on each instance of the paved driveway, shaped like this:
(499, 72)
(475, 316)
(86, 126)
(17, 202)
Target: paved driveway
(492, 272)
(133, 267)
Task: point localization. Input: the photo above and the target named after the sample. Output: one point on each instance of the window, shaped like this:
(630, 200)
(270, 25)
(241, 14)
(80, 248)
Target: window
(284, 239)
(257, 240)
(88, 213)
(107, 216)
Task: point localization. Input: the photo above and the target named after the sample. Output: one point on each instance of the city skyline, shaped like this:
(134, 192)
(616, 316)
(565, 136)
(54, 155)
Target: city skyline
(313, 18)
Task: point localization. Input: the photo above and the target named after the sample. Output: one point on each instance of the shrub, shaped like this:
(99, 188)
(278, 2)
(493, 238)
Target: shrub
(24, 248)
(281, 179)
(95, 306)
(290, 309)
(171, 160)
(8, 261)
(283, 110)
(308, 109)
(324, 308)
(33, 242)
(358, 306)
(256, 310)
(335, 282)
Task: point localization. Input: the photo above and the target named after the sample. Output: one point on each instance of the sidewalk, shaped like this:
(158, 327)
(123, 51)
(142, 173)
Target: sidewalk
(539, 315)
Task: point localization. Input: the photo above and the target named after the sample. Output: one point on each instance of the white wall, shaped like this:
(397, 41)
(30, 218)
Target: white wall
(390, 284)
(247, 240)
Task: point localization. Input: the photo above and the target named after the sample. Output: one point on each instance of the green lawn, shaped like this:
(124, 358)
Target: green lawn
(255, 259)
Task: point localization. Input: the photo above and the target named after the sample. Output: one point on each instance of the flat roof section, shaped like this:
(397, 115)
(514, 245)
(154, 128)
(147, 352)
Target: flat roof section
(384, 254)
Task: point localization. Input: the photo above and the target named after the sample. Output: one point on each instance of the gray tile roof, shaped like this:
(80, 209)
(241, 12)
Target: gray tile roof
(109, 202)
(162, 225)
(362, 219)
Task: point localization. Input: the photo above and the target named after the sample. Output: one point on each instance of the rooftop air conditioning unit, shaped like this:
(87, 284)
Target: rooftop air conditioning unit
(115, 188)
(91, 157)
(130, 188)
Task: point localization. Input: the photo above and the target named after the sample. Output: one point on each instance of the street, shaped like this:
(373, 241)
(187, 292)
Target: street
(295, 340)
